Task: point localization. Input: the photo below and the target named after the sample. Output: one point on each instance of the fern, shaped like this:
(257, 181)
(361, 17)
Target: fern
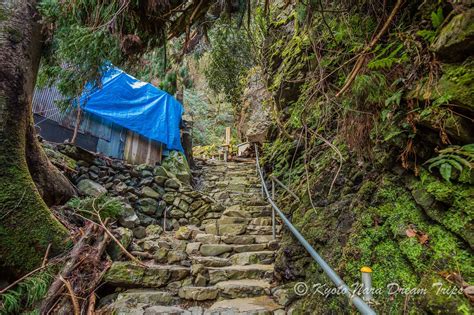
(10, 302)
(371, 88)
(26, 294)
(452, 157)
(386, 58)
(427, 35)
(437, 17)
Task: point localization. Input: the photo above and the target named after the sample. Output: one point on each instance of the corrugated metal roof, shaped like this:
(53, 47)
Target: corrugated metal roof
(44, 103)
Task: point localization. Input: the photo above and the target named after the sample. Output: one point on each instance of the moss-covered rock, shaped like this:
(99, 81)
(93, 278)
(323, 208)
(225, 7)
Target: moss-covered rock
(126, 274)
(125, 237)
(455, 41)
(441, 297)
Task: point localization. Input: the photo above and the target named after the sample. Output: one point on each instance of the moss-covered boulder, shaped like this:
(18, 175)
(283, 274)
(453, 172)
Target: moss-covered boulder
(176, 164)
(455, 41)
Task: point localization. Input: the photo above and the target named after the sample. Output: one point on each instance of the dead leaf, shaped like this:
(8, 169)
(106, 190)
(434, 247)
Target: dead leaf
(469, 292)
(410, 232)
(423, 238)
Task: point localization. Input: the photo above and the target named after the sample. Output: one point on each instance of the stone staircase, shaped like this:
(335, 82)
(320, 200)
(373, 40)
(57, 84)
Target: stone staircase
(224, 266)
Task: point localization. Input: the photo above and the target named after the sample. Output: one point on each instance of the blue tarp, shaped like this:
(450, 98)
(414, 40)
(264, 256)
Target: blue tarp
(136, 105)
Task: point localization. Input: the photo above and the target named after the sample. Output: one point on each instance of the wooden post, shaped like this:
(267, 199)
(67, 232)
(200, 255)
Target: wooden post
(227, 135)
(227, 143)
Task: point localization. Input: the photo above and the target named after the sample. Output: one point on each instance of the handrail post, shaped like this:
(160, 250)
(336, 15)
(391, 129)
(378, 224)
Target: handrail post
(273, 211)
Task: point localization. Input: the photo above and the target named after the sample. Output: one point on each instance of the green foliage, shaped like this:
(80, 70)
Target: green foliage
(108, 207)
(230, 59)
(209, 119)
(169, 83)
(427, 35)
(437, 17)
(370, 88)
(454, 156)
(87, 35)
(26, 294)
(78, 51)
(387, 56)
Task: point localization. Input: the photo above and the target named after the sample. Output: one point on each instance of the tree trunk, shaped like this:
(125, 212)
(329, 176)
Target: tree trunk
(52, 185)
(26, 224)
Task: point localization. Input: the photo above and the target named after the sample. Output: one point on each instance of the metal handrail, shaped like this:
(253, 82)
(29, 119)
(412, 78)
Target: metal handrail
(340, 284)
(276, 180)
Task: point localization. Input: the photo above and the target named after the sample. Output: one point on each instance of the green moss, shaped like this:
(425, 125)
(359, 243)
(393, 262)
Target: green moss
(3, 15)
(442, 297)
(457, 210)
(367, 189)
(58, 158)
(456, 85)
(27, 226)
(14, 35)
(393, 255)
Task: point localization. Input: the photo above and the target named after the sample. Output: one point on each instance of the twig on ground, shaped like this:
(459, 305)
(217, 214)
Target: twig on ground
(75, 303)
(45, 258)
(122, 248)
(91, 307)
(21, 279)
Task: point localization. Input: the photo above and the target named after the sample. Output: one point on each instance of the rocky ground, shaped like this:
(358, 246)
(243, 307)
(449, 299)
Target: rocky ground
(220, 262)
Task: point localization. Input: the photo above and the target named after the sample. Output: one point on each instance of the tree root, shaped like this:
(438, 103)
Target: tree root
(80, 275)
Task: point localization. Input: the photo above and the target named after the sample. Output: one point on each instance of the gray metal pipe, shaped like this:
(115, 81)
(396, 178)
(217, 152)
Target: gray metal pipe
(355, 299)
(273, 178)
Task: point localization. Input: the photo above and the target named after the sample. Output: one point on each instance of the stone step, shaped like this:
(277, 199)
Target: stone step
(231, 229)
(249, 258)
(129, 275)
(236, 211)
(248, 211)
(264, 239)
(211, 261)
(143, 296)
(232, 220)
(207, 238)
(256, 305)
(198, 293)
(262, 229)
(250, 248)
(238, 239)
(261, 221)
(215, 249)
(232, 289)
(256, 271)
(165, 310)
